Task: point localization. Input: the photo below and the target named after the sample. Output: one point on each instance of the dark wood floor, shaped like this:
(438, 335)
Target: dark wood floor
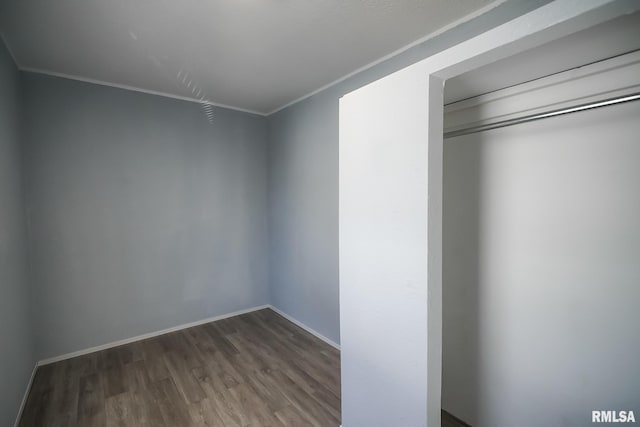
(449, 420)
(257, 369)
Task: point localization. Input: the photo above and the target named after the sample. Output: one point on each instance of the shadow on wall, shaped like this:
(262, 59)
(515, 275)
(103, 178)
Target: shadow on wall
(460, 271)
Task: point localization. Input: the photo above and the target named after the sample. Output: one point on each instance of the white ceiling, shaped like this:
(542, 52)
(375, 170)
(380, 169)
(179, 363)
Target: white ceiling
(256, 55)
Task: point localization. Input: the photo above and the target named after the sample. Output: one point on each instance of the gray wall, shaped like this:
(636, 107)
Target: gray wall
(16, 354)
(142, 214)
(303, 183)
(541, 270)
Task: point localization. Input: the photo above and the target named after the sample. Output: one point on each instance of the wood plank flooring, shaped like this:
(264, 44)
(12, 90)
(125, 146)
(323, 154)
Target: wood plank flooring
(256, 369)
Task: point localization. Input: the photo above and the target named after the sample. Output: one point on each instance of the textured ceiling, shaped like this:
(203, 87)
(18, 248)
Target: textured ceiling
(257, 55)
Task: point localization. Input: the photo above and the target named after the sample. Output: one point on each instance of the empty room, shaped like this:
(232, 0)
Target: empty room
(333, 213)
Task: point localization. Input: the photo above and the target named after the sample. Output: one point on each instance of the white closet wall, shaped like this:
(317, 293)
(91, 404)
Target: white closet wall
(541, 274)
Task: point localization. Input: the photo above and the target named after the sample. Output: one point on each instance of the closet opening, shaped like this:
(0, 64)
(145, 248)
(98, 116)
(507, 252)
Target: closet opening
(541, 233)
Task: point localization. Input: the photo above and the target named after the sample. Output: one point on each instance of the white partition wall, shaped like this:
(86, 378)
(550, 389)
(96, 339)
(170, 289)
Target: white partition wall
(390, 219)
(383, 253)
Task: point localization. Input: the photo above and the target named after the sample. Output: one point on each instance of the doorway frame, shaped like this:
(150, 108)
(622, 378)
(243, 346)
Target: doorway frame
(407, 108)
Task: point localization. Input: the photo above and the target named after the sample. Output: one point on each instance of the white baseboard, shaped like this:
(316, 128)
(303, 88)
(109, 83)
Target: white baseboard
(185, 326)
(305, 327)
(26, 395)
(145, 336)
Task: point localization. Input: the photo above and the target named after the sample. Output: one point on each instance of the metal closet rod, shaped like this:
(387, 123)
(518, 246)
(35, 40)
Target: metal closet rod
(539, 116)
